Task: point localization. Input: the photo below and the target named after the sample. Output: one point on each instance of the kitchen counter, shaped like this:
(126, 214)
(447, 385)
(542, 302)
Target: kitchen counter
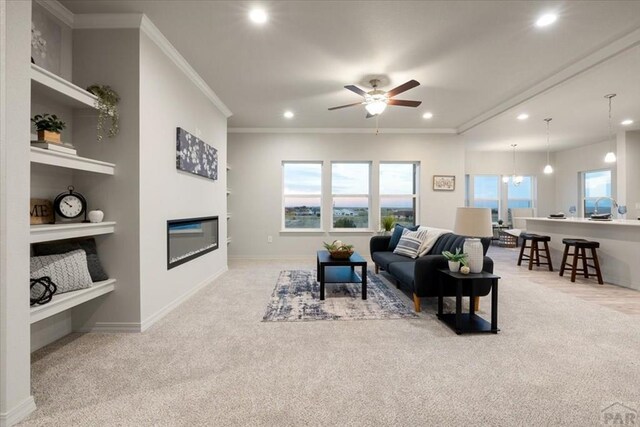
(619, 251)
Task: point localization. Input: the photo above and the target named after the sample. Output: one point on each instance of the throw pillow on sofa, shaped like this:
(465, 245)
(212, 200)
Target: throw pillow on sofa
(68, 271)
(433, 234)
(397, 234)
(88, 245)
(410, 242)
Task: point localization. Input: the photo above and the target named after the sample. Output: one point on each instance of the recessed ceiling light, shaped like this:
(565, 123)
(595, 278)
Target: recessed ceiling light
(288, 115)
(259, 16)
(427, 115)
(546, 19)
(523, 116)
(626, 122)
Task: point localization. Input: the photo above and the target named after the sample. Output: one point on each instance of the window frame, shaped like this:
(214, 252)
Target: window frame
(582, 189)
(416, 189)
(333, 197)
(503, 193)
(284, 196)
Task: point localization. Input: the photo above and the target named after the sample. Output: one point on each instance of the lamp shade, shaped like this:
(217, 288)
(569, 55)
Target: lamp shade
(473, 222)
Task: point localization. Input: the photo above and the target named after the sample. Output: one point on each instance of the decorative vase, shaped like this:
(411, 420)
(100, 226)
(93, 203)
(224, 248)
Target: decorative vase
(475, 254)
(454, 266)
(48, 136)
(96, 216)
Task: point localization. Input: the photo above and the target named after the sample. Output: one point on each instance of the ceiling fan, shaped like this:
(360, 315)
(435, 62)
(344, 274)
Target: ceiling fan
(376, 100)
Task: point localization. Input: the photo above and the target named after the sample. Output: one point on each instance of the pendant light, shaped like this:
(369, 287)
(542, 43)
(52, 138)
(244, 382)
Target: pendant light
(548, 169)
(515, 179)
(611, 155)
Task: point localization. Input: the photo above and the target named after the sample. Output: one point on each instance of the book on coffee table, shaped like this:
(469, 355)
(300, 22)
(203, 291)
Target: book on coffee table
(60, 148)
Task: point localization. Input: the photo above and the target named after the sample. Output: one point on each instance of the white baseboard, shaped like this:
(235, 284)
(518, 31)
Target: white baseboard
(113, 327)
(151, 320)
(311, 257)
(17, 414)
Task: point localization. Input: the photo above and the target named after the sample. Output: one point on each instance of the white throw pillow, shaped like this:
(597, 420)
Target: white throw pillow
(68, 271)
(410, 242)
(433, 234)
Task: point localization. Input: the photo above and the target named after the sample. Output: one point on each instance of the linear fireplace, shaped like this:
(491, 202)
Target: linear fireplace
(190, 238)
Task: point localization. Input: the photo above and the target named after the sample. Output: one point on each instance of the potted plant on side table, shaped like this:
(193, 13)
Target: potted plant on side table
(455, 259)
(48, 127)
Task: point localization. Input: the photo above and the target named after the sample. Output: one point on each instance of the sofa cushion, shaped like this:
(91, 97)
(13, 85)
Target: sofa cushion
(383, 259)
(403, 271)
(397, 234)
(433, 234)
(410, 243)
(448, 242)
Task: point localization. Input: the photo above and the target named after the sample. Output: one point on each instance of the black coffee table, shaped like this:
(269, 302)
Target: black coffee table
(468, 322)
(331, 270)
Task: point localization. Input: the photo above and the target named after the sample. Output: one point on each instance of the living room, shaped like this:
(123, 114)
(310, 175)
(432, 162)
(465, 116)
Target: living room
(242, 329)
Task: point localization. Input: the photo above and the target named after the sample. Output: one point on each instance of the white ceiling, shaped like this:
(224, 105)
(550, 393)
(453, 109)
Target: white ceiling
(475, 60)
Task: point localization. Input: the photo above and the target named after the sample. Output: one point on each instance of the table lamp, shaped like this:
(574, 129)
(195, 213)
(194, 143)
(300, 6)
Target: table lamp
(474, 223)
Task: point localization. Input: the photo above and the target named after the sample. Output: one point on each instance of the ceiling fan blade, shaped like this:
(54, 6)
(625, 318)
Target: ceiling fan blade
(355, 89)
(345, 106)
(402, 88)
(403, 103)
(369, 115)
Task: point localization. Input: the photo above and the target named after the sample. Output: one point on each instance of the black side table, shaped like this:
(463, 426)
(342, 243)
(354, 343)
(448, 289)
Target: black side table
(468, 322)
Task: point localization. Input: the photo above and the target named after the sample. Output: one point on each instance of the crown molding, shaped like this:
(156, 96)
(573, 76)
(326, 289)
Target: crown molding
(600, 55)
(58, 10)
(139, 20)
(387, 131)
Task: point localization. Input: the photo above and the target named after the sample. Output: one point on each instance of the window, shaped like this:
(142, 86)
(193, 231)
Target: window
(350, 195)
(520, 196)
(486, 194)
(302, 195)
(398, 192)
(596, 184)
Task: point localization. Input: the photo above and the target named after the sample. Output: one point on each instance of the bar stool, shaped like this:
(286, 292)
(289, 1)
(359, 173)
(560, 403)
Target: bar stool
(534, 253)
(580, 252)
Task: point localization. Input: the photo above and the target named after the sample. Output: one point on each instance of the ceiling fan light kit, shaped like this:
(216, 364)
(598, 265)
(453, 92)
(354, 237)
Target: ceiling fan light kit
(376, 100)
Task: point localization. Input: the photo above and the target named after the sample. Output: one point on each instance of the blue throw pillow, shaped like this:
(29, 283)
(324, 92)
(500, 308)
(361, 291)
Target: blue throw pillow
(397, 234)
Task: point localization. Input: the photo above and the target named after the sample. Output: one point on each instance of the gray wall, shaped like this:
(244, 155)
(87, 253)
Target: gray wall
(255, 180)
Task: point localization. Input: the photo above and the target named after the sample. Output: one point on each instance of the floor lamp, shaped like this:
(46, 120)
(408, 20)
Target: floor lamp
(474, 223)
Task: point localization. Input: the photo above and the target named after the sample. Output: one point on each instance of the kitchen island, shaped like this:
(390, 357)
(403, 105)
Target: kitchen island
(619, 251)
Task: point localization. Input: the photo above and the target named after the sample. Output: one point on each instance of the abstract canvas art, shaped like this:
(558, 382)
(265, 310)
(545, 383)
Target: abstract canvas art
(195, 156)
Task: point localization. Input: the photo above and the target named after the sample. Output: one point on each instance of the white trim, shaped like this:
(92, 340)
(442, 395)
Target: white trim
(151, 320)
(389, 131)
(352, 230)
(113, 327)
(597, 57)
(303, 230)
(56, 8)
(138, 20)
(18, 413)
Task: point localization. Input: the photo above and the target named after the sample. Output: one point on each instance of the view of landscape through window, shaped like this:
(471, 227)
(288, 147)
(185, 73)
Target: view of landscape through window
(350, 191)
(302, 195)
(486, 194)
(597, 184)
(398, 193)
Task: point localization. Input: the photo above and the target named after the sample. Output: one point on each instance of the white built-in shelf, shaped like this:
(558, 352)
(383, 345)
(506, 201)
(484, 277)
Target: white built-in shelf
(65, 301)
(55, 87)
(228, 215)
(49, 232)
(228, 191)
(228, 240)
(70, 161)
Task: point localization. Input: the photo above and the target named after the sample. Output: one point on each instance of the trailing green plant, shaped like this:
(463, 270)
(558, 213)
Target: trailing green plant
(456, 257)
(387, 222)
(107, 105)
(48, 122)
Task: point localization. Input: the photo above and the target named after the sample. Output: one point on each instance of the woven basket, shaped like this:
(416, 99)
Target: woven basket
(341, 254)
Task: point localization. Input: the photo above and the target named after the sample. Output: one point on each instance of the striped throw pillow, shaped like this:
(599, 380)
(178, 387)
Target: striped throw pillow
(410, 242)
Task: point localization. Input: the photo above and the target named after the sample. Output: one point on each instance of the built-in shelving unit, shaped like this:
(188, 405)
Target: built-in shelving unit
(46, 85)
(70, 161)
(65, 301)
(50, 232)
(49, 85)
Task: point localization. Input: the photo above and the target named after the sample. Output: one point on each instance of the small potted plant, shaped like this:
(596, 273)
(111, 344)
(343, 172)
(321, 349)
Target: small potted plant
(455, 259)
(338, 249)
(387, 223)
(48, 127)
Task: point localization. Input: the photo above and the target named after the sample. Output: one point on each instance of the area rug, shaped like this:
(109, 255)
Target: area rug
(296, 297)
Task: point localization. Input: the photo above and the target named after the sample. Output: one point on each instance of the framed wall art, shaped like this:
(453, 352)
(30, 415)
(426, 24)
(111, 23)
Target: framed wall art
(444, 182)
(195, 156)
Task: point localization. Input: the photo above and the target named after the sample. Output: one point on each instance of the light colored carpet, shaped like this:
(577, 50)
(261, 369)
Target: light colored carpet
(558, 360)
(296, 297)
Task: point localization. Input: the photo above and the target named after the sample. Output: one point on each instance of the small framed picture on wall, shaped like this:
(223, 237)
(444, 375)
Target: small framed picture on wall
(444, 182)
